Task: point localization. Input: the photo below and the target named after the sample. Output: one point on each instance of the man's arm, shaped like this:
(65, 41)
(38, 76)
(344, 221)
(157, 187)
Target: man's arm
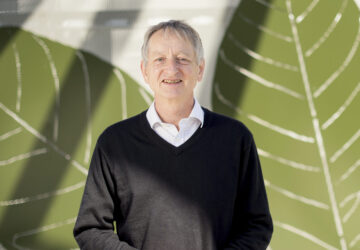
(94, 226)
(252, 224)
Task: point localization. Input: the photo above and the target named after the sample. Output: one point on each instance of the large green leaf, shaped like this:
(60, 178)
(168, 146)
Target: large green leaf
(54, 103)
(290, 71)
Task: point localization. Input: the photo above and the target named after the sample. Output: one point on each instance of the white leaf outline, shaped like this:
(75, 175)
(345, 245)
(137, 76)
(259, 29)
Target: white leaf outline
(145, 95)
(354, 241)
(304, 234)
(307, 11)
(258, 78)
(354, 196)
(270, 5)
(23, 156)
(10, 133)
(329, 30)
(1, 246)
(122, 83)
(316, 125)
(345, 147)
(342, 108)
(292, 195)
(42, 196)
(266, 30)
(18, 77)
(261, 58)
(262, 122)
(349, 171)
(87, 105)
(342, 67)
(40, 230)
(42, 138)
(55, 76)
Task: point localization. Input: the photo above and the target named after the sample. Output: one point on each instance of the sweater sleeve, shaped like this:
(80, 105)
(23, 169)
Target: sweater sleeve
(94, 226)
(252, 224)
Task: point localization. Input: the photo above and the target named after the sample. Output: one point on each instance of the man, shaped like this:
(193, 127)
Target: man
(177, 176)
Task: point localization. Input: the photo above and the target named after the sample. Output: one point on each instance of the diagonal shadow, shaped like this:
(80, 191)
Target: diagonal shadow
(250, 36)
(10, 16)
(74, 130)
(71, 131)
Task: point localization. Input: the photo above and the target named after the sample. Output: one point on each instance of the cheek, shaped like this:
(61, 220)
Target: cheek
(155, 71)
(192, 73)
(151, 73)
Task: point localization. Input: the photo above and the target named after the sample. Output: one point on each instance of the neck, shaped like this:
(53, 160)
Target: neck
(171, 111)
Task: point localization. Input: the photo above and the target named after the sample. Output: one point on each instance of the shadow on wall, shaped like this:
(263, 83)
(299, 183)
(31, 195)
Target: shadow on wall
(240, 28)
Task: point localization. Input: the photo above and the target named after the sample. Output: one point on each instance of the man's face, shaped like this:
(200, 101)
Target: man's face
(172, 70)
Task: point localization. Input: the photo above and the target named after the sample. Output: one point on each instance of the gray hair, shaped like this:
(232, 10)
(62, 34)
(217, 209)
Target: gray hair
(180, 28)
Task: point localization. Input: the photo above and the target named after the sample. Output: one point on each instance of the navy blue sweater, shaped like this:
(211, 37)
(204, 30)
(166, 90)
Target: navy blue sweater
(206, 194)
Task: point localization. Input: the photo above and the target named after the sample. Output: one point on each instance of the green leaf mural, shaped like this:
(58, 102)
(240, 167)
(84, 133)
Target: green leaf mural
(290, 71)
(54, 103)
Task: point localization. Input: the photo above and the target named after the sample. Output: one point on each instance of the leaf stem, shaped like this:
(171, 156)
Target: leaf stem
(317, 130)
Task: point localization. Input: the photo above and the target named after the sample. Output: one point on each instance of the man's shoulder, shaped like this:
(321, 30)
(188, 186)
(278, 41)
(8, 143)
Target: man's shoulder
(122, 128)
(225, 122)
(228, 129)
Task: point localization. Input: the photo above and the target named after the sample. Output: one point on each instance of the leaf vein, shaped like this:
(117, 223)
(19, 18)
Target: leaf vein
(342, 67)
(42, 138)
(345, 147)
(287, 162)
(259, 79)
(23, 156)
(42, 196)
(317, 130)
(10, 133)
(297, 197)
(342, 109)
(40, 230)
(329, 30)
(55, 76)
(19, 78)
(88, 106)
(353, 208)
(304, 234)
(266, 30)
(122, 82)
(307, 11)
(262, 122)
(272, 6)
(261, 58)
(354, 241)
(348, 173)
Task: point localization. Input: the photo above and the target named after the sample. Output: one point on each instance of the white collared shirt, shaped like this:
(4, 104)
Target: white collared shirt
(169, 132)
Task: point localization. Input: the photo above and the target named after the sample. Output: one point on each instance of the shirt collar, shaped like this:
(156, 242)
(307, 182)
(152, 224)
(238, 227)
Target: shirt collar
(153, 117)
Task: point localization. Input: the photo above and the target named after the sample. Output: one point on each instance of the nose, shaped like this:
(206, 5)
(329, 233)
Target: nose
(171, 65)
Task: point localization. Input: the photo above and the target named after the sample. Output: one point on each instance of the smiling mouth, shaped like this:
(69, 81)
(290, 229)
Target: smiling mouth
(171, 81)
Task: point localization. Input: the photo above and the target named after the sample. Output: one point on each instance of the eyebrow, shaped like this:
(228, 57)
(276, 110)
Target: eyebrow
(156, 53)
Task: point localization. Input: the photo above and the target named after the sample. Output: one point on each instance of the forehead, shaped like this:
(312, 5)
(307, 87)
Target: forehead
(163, 40)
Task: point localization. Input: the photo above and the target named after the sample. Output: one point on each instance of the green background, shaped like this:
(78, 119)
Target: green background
(266, 75)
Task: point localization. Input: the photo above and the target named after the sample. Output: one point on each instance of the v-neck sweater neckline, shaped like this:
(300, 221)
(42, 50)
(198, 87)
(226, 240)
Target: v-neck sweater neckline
(154, 137)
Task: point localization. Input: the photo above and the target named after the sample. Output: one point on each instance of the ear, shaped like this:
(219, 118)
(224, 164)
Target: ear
(143, 70)
(201, 69)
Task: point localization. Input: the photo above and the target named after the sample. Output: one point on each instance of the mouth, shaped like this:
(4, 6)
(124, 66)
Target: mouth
(172, 81)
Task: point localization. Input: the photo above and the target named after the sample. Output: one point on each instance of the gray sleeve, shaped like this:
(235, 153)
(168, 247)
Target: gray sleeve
(252, 224)
(94, 227)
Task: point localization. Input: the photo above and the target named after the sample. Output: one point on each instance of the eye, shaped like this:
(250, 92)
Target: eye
(160, 59)
(183, 60)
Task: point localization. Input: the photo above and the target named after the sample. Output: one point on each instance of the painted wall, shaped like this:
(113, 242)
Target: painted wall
(287, 69)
